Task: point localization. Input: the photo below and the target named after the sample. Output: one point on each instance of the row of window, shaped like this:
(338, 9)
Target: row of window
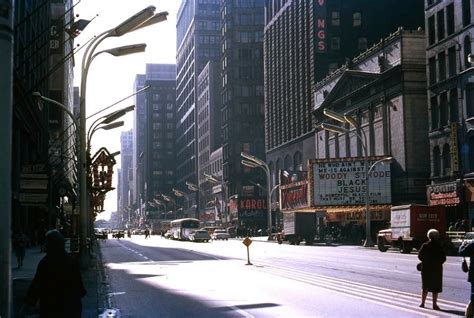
(442, 23)
(356, 19)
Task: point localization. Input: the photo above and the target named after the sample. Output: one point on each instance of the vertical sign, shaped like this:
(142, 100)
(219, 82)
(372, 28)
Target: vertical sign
(454, 147)
(320, 24)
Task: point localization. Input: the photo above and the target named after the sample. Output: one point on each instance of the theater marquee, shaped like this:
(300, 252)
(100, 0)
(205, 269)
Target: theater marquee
(342, 182)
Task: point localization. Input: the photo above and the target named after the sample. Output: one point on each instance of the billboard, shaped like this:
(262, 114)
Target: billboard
(342, 182)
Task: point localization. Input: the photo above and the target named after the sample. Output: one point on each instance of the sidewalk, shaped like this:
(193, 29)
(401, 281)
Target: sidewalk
(92, 303)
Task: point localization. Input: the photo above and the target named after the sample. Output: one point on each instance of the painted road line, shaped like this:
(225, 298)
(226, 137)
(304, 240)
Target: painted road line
(383, 296)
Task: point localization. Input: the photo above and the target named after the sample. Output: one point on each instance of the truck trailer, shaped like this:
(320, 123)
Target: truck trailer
(409, 226)
(299, 226)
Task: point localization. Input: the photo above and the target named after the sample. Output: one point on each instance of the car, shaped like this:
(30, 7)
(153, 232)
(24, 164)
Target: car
(220, 234)
(101, 233)
(199, 236)
(168, 234)
(458, 238)
(118, 234)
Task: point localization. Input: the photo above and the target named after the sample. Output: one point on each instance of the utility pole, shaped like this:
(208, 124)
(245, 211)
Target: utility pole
(6, 106)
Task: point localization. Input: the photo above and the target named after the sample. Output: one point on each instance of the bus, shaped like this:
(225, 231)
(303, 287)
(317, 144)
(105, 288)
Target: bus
(181, 228)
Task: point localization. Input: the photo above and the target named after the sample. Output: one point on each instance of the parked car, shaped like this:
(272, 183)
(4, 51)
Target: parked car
(168, 234)
(101, 233)
(199, 236)
(220, 234)
(118, 234)
(459, 238)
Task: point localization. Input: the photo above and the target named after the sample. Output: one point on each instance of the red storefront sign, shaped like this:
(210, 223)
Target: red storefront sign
(444, 194)
(294, 195)
(252, 204)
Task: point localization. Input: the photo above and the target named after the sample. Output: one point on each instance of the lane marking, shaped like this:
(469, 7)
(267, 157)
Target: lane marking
(374, 294)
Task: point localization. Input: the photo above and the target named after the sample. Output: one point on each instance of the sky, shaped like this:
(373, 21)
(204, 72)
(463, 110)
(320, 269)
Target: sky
(110, 78)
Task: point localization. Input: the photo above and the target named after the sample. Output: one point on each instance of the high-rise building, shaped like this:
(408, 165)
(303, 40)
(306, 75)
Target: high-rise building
(154, 135)
(198, 41)
(304, 41)
(209, 133)
(125, 175)
(450, 83)
(242, 104)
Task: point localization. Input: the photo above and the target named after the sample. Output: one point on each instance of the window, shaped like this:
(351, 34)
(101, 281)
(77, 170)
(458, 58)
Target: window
(434, 113)
(432, 69)
(336, 18)
(452, 61)
(443, 109)
(446, 160)
(362, 44)
(440, 18)
(436, 162)
(453, 105)
(450, 18)
(470, 100)
(431, 30)
(357, 19)
(335, 43)
(466, 12)
(467, 50)
(442, 66)
(298, 162)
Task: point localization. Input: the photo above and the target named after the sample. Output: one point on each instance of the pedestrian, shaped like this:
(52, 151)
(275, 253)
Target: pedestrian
(432, 257)
(467, 250)
(20, 240)
(57, 284)
(147, 233)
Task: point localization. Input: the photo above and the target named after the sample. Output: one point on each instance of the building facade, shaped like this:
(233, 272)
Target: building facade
(125, 176)
(304, 41)
(43, 135)
(382, 89)
(242, 102)
(209, 128)
(198, 41)
(154, 136)
(449, 26)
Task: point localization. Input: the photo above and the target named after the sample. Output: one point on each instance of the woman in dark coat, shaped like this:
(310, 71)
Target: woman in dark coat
(57, 283)
(432, 257)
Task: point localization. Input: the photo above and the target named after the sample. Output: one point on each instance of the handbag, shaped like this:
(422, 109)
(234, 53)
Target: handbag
(464, 266)
(419, 266)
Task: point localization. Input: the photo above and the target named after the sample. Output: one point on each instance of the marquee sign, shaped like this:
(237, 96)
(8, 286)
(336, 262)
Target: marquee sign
(342, 182)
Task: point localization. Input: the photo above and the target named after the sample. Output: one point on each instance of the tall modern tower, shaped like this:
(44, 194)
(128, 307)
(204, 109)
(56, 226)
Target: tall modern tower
(154, 135)
(125, 173)
(198, 41)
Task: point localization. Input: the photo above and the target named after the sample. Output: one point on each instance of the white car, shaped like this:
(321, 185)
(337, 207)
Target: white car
(220, 234)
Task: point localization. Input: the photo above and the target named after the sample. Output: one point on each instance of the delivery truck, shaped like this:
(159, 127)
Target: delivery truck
(409, 225)
(299, 226)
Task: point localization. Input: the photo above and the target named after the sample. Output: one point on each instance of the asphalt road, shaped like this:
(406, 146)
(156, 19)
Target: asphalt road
(164, 278)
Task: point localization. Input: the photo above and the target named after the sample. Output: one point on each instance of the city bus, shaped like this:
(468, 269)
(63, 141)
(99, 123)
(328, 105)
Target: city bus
(181, 228)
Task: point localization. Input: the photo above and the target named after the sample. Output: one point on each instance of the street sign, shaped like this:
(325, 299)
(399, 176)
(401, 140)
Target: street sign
(247, 242)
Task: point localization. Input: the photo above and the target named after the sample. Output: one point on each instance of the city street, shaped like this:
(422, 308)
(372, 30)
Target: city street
(159, 277)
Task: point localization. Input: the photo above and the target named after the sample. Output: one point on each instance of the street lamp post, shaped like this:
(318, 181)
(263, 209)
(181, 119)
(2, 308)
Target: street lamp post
(220, 180)
(254, 162)
(341, 130)
(134, 22)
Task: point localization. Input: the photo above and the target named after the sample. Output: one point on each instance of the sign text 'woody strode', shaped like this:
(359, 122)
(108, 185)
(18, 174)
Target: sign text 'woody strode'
(343, 182)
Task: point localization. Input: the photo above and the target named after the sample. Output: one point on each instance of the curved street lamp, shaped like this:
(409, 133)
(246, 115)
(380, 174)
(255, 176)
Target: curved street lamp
(254, 162)
(129, 25)
(220, 180)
